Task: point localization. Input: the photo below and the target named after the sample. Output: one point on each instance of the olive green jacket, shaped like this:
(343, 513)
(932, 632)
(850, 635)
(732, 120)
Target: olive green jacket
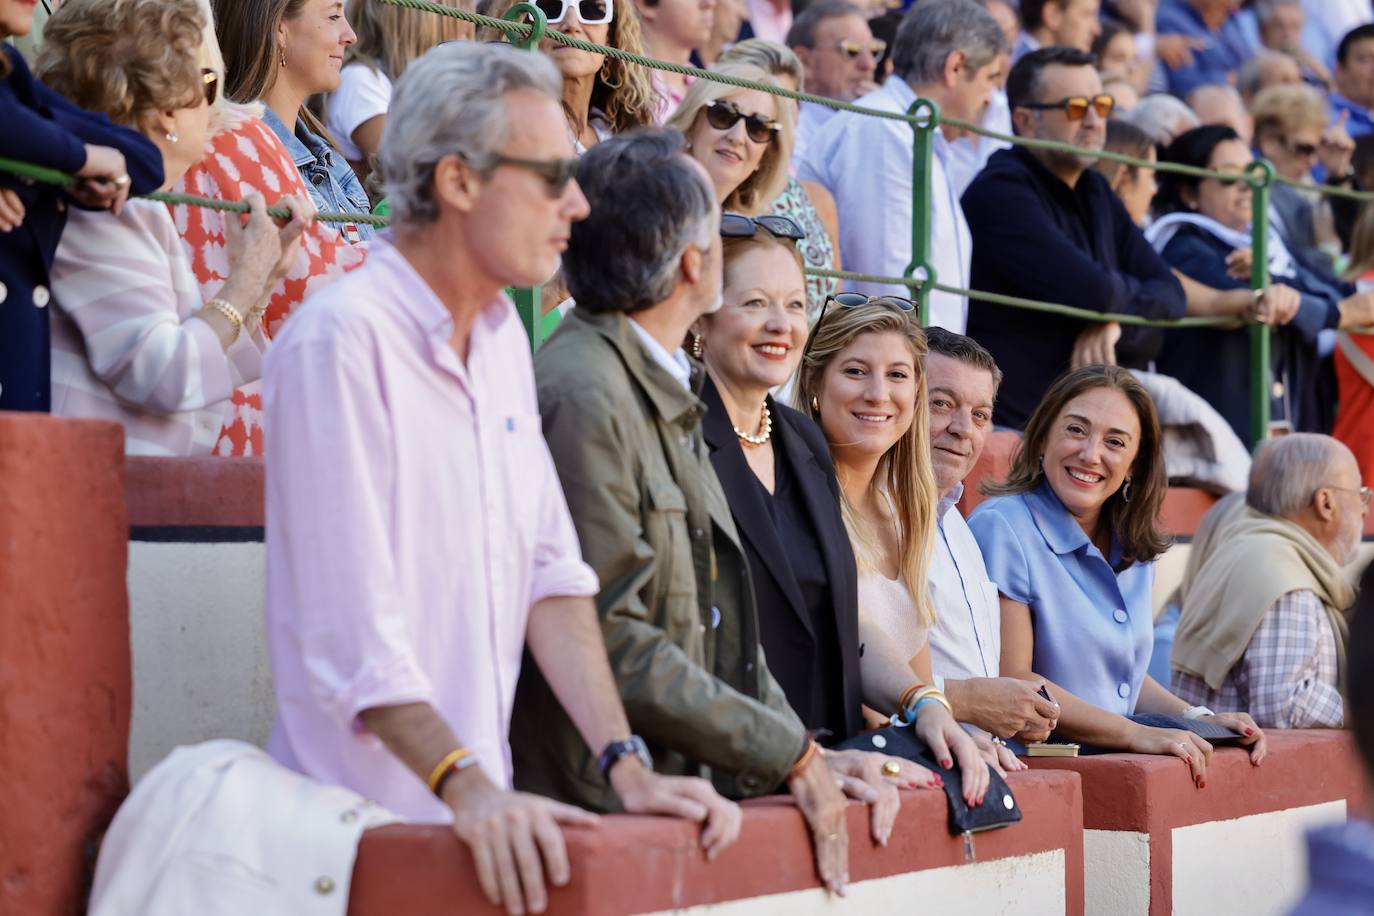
(676, 603)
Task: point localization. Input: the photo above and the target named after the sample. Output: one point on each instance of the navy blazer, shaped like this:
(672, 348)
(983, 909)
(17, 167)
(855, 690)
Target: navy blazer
(1035, 237)
(43, 128)
(785, 627)
(1215, 362)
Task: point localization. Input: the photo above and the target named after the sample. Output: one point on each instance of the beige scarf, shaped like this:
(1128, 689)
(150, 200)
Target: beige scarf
(1256, 560)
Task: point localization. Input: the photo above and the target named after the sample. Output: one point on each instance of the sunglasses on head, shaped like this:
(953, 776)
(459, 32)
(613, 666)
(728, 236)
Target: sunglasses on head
(724, 114)
(854, 300)
(589, 12)
(739, 226)
(852, 49)
(210, 80)
(1076, 107)
(555, 172)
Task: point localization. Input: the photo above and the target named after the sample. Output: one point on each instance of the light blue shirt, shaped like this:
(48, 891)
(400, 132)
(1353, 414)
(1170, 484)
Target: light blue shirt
(865, 162)
(328, 176)
(966, 640)
(810, 119)
(1093, 626)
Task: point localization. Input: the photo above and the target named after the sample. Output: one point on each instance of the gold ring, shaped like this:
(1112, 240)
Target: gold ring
(891, 768)
(121, 181)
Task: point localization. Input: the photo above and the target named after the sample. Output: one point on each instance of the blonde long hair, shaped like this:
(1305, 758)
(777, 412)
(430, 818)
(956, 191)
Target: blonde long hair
(390, 37)
(905, 474)
(623, 92)
(757, 193)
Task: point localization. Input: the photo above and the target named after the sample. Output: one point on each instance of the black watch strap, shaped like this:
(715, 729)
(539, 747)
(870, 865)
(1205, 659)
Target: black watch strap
(617, 749)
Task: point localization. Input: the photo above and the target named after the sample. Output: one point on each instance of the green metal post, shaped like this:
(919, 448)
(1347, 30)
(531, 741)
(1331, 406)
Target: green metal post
(1261, 176)
(927, 114)
(528, 301)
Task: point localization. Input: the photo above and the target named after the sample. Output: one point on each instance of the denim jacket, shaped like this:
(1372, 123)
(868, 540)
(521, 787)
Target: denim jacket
(332, 183)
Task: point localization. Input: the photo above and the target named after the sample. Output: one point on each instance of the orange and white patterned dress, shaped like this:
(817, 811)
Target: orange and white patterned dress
(249, 157)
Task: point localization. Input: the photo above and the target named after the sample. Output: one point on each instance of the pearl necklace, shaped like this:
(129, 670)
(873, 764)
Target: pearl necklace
(765, 422)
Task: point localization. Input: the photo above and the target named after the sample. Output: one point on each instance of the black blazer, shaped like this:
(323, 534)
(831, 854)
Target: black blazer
(784, 624)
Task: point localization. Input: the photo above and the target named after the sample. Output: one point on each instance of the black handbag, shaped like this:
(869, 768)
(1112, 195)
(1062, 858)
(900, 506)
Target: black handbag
(999, 808)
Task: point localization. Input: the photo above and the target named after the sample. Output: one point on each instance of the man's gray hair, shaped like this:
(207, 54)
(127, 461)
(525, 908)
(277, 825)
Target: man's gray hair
(1159, 114)
(934, 29)
(649, 203)
(453, 100)
(803, 31)
(1288, 471)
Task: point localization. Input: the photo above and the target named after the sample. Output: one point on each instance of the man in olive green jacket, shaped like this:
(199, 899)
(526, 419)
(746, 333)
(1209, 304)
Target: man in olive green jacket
(620, 411)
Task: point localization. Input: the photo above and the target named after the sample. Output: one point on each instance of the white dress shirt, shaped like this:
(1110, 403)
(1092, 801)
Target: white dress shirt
(966, 640)
(675, 363)
(865, 162)
(810, 119)
(971, 152)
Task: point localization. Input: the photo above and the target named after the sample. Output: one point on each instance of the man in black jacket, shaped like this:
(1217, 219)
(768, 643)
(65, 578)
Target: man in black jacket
(1046, 226)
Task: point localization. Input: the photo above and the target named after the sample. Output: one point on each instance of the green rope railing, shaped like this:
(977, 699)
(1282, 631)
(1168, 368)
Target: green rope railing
(51, 176)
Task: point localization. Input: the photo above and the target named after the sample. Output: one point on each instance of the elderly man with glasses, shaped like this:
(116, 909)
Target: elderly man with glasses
(417, 538)
(1263, 627)
(1046, 226)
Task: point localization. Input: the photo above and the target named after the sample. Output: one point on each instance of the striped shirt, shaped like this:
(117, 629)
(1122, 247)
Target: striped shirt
(1287, 677)
(126, 344)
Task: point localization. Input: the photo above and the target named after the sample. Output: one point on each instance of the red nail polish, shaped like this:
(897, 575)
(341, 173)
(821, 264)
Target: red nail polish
(1249, 731)
(946, 764)
(1202, 784)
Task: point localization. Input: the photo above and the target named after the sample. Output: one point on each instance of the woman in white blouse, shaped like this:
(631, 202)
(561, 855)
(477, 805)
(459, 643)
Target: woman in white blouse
(132, 339)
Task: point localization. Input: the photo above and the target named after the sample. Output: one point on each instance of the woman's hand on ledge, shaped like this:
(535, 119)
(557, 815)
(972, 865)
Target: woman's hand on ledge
(642, 791)
(874, 779)
(949, 743)
(1174, 742)
(1252, 736)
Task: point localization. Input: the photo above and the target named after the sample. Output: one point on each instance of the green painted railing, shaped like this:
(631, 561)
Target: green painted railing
(924, 118)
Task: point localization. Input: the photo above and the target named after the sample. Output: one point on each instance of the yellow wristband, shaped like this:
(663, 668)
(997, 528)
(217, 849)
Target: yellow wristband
(453, 757)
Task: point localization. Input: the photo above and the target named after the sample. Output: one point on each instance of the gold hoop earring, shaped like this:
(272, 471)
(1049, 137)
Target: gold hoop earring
(815, 405)
(282, 55)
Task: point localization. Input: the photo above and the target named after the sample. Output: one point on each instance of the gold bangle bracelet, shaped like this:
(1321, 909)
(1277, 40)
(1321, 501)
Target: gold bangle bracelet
(228, 311)
(906, 695)
(454, 756)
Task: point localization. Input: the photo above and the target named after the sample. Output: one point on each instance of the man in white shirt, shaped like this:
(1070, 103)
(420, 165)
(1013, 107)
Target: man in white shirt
(965, 643)
(834, 43)
(948, 51)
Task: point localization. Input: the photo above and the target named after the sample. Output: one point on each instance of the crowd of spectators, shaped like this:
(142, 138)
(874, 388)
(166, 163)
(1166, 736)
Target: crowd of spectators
(707, 534)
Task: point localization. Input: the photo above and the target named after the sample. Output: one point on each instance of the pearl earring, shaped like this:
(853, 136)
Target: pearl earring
(172, 137)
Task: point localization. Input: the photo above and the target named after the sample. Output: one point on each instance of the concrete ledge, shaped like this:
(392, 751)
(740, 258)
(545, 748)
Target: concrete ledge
(648, 865)
(64, 659)
(1243, 830)
(194, 492)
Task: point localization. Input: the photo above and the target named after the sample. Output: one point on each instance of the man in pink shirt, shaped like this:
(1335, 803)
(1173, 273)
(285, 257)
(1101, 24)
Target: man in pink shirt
(418, 540)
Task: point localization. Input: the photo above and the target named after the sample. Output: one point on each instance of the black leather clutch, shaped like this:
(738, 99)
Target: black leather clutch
(999, 808)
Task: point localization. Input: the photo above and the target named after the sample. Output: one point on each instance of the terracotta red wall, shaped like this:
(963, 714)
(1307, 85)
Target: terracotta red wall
(64, 657)
(645, 865)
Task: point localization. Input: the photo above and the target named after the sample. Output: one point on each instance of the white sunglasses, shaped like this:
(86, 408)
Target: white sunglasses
(589, 12)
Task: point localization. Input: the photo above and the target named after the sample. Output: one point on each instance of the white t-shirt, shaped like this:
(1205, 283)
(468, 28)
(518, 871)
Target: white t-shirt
(363, 94)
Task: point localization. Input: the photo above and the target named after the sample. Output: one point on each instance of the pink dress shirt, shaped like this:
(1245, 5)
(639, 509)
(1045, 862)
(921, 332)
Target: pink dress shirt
(413, 518)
